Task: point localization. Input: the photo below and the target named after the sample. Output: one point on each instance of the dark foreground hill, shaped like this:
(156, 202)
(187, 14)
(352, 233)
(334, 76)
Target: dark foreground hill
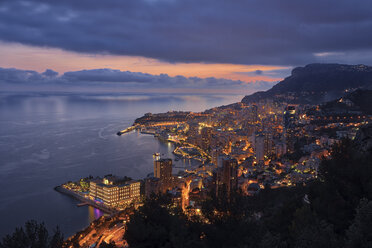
(316, 83)
(359, 101)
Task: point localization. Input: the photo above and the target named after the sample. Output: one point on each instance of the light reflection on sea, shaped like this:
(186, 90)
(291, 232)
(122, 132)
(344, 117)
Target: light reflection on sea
(94, 213)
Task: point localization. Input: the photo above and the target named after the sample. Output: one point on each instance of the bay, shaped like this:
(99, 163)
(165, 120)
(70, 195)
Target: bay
(49, 138)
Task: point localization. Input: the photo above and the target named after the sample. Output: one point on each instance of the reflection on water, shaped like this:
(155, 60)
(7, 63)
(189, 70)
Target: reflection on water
(94, 213)
(46, 140)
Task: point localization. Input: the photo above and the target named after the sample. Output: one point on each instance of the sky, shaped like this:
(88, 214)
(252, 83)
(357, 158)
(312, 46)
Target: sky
(175, 45)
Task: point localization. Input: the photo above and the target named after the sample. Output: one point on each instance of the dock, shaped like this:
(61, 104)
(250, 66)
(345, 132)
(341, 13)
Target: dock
(127, 130)
(81, 204)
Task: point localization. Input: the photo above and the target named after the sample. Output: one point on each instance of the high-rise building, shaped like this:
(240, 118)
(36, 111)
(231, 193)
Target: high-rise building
(206, 136)
(289, 126)
(263, 145)
(163, 168)
(259, 147)
(215, 153)
(268, 144)
(230, 174)
(289, 116)
(163, 171)
(156, 156)
(226, 177)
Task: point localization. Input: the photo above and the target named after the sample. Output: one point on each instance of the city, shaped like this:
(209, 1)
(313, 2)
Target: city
(185, 123)
(240, 148)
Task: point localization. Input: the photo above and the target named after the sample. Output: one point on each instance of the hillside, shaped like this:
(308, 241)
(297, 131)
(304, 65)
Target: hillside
(316, 83)
(356, 101)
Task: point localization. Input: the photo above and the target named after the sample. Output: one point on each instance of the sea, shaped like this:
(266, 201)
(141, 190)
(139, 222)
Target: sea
(49, 138)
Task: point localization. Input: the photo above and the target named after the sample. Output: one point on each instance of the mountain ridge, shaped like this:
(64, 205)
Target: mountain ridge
(316, 83)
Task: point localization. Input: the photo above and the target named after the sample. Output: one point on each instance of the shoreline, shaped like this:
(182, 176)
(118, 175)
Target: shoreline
(82, 199)
(176, 144)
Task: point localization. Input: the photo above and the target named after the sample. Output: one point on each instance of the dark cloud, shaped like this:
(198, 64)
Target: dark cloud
(50, 73)
(278, 73)
(124, 79)
(12, 75)
(107, 75)
(283, 32)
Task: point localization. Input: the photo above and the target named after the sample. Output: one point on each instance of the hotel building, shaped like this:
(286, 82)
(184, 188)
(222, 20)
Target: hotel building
(114, 192)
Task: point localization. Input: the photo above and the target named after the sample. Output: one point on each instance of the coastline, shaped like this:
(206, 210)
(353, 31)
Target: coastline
(80, 127)
(82, 199)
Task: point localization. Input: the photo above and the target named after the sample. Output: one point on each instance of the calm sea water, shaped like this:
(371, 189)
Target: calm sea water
(48, 139)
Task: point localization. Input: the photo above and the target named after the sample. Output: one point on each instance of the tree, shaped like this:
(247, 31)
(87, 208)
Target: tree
(359, 233)
(308, 231)
(57, 238)
(159, 224)
(33, 235)
(344, 180)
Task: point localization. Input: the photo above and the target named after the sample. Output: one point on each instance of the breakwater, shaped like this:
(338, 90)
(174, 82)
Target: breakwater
(127, 130)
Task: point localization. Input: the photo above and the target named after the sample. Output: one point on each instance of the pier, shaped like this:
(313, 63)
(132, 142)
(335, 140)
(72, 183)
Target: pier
(127, 130)
(81, 204)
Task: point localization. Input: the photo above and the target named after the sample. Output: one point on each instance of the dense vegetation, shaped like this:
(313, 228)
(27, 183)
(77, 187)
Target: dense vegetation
(333, 211)
(33, 235)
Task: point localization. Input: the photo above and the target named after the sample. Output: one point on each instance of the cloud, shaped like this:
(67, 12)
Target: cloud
(107, 75)
(50, 73)
(278, 73)
(242, 32)
(25, 76)
(109, 78)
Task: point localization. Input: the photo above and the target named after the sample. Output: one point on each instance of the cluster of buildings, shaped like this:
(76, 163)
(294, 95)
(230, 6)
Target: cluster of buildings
(240, 148)
(273, 143)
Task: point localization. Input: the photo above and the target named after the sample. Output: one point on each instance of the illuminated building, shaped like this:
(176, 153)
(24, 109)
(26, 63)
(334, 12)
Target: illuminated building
(215, 153)
(259, 147)
(226, 177)
(230, 174)
(113, 191)
(163, 171)
(289, 116)
(289, 125)
(263, 144)
(156, 156)
(206, 135)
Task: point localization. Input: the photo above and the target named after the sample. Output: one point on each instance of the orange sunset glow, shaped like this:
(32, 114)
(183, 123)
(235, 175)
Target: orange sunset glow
(24, 57)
